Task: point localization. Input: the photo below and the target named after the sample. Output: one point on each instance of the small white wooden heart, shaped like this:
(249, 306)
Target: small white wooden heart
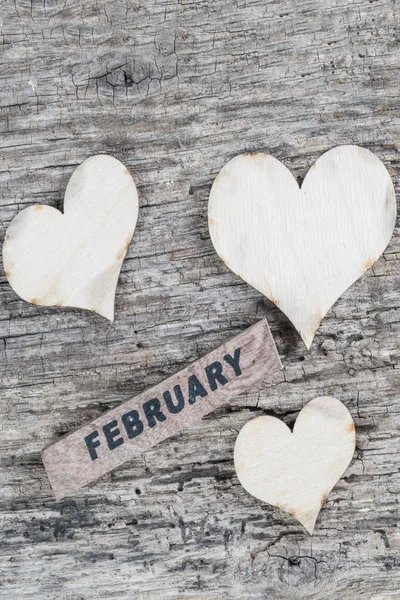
(296, 471)
(74, 259)
(302, 247)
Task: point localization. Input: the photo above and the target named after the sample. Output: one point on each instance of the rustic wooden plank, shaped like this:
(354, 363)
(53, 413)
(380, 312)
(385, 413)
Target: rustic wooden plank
(156, 414)
(174, 90)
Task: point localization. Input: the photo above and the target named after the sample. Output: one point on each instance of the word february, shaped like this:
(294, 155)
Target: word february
(152, 412)
(152, 416)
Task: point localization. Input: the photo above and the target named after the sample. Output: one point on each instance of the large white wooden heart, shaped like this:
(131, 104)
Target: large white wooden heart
(296, 471)
(302, 247)
(74, 259)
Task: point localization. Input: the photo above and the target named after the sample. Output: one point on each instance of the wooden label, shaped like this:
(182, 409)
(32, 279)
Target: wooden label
(156, 414)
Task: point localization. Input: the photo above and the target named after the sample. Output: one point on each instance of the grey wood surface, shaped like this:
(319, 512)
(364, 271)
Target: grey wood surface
(174, 89)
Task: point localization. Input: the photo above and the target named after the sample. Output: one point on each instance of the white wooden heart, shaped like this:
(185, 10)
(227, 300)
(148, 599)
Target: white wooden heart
(302, 247)
(74, 259)
(296, 471)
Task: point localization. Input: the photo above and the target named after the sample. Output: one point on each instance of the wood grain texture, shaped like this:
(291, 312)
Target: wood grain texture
(174, 90)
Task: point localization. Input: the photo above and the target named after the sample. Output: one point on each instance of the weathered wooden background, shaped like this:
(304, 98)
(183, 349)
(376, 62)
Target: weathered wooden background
(174, 89)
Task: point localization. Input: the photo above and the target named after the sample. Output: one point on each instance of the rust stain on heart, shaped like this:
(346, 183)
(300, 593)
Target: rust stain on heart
(269, 293)
(368, 264)
(323, 498)
(224, 260)
(121, 253)
(319, 319)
